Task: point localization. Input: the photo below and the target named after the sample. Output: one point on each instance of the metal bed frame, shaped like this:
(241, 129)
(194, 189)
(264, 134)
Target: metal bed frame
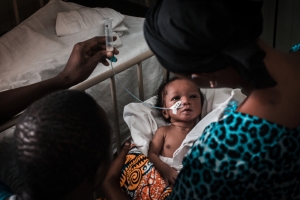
(109, 74)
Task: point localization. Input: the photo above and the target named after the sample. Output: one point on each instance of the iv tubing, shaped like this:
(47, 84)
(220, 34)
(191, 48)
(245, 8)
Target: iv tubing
(146, 104)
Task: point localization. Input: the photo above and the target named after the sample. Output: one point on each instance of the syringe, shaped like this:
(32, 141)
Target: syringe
(109, 34)
(110, 47)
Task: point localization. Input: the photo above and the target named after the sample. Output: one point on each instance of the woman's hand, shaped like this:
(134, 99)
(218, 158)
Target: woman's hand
(83, 60)
(111, 184)
(169, 174)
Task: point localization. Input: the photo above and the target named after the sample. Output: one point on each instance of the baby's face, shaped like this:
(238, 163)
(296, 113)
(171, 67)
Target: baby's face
(188, 93)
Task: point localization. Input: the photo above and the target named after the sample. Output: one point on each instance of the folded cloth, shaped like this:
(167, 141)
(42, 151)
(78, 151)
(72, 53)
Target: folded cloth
(140, 179)
(85, 18)
(169, 161)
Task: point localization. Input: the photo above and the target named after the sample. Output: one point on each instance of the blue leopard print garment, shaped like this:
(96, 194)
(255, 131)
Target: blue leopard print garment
(241, 157)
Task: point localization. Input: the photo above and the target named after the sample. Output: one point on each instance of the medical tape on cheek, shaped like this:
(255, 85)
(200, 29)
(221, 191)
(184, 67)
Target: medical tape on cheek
(175, 107)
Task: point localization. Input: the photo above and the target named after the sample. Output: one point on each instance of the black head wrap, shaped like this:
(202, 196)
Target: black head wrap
(190, 36)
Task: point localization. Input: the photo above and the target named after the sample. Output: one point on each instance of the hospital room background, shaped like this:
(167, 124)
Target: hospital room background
(18, 22)
(281, 30)
(281, 25)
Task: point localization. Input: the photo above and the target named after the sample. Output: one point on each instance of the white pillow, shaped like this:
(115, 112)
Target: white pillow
(85, 18)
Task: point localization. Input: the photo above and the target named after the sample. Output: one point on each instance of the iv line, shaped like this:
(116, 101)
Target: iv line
(109, 47)
(173, 108)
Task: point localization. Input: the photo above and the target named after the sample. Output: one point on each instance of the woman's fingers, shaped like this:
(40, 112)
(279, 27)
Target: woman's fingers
(95, 42)
(125, 148)
(117, 164)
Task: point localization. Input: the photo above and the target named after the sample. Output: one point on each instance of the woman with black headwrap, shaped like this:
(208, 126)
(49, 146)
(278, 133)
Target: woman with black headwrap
(254, 152)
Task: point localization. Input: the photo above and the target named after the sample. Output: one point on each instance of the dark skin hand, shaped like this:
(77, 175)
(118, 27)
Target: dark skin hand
(111, 184)
(83, 60)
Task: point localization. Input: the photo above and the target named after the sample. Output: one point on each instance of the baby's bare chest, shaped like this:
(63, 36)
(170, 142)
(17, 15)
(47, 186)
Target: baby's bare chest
(173, 140)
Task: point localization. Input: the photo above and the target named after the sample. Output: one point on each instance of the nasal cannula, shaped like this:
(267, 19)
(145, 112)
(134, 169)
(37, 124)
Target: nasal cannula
(174, 108)
(110, 47)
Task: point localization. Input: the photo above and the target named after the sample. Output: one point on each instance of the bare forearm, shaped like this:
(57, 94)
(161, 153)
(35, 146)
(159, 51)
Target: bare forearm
(158, 163)
(16, 100)
(111, 184)
(79, 67)
(112, 191)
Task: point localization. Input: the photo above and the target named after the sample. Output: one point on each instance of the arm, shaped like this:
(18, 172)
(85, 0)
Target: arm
(84, 58)
(111, 184)
(169, 174)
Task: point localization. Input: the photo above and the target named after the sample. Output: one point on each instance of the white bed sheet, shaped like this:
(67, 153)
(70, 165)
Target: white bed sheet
(32, 49)
(32, 52)
(144, 121)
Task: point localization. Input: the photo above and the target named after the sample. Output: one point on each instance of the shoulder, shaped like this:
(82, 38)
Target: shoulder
(223, 140)
(242, 150)
(162, 130)
(238, 130)
(239, 139)
(160, 133)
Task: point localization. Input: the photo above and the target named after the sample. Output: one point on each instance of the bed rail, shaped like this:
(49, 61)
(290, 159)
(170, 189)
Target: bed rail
(109, 74)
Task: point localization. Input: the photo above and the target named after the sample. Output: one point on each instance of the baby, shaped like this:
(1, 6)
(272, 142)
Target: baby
(169, 138)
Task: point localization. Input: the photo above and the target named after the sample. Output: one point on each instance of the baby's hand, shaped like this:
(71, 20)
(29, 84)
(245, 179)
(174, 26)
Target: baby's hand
(170, 176)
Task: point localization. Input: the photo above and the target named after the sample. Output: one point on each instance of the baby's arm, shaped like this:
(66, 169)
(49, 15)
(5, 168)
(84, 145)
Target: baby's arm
(169, 174)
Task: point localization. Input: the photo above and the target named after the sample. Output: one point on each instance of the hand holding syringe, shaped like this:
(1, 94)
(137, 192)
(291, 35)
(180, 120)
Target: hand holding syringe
(110, 48)
(109, 37)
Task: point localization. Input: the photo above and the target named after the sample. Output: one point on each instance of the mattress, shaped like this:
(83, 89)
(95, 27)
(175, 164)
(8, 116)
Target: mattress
(32, 52)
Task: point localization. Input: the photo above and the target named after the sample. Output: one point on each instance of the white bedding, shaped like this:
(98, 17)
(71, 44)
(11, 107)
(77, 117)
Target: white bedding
(144, 121)
(32, 52)
(74, 21)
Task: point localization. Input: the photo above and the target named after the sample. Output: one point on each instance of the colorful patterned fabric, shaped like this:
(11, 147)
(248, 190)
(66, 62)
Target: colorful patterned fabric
(241, 157)
(140, 179)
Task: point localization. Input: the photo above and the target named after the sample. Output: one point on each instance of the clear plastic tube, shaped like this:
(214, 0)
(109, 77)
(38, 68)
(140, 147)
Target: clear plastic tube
(173, 108)
(109, 34)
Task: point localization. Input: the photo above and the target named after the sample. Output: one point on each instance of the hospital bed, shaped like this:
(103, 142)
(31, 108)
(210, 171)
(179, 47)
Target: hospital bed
(34, 51)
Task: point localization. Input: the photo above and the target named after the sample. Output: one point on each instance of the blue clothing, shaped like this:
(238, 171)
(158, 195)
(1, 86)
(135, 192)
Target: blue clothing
(295, 48)
(242, 157)
(5, 191)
